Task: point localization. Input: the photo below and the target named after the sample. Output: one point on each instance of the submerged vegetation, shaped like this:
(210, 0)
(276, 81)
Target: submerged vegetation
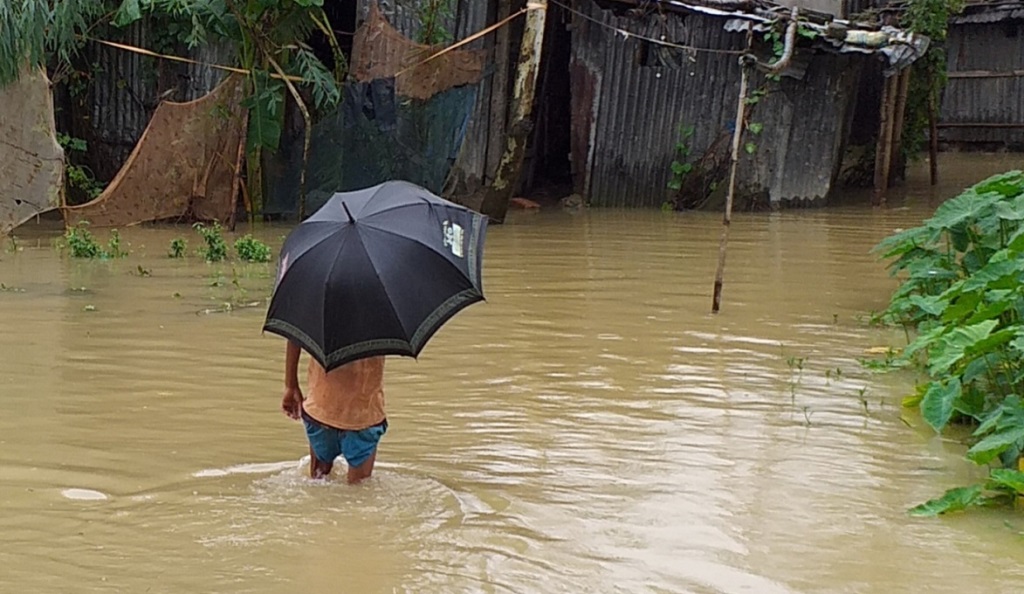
(963, 295)
(81, 243)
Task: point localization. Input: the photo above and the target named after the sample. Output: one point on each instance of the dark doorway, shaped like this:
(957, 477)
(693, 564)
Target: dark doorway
(547, 170)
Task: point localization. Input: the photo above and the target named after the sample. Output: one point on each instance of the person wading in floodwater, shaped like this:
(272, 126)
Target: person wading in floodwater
(371, 273)
(343, 412)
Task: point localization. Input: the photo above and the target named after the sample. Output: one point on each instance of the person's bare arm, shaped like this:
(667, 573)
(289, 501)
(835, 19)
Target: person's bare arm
(291, 402)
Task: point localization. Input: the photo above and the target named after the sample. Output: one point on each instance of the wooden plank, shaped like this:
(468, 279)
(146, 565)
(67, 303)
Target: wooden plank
(987, 74)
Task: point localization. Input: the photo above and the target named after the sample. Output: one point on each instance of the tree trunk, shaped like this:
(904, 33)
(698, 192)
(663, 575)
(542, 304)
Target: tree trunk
(496, 199)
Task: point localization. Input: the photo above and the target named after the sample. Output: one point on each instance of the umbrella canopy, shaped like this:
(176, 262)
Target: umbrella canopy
(376, 272)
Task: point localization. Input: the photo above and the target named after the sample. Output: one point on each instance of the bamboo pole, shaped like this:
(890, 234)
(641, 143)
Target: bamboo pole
(737, 137)
(884, 145)
(496, 199)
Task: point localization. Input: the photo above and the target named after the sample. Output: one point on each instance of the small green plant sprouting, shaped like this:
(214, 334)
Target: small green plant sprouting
(216, 249)
(681, 165)
(178, 247)
(862, 396)
(12, 245)
(114, 249)
(81, 243)
(250, 249)
(808, 413)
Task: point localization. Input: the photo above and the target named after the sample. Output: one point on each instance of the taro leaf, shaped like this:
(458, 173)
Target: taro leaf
(923, 341)
(961, 209)
(1012, 210)
(1009, 184)
(966, 304)
(904, 241)
(988, 449)
(1008, 478)
(997, 268)
(954, 500)
(937, 405)
(955, 344)
(1018, 342)
(990, 311)
(932, 305)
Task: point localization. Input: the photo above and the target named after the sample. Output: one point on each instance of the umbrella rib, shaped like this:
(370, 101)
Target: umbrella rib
(380, 281)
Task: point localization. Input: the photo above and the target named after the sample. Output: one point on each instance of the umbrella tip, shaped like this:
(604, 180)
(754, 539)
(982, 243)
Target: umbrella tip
(351, 219)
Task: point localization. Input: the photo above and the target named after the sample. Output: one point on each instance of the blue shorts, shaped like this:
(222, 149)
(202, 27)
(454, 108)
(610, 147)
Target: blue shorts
(328, 443)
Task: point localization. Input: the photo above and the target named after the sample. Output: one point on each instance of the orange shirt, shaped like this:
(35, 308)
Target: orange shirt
(349, 397)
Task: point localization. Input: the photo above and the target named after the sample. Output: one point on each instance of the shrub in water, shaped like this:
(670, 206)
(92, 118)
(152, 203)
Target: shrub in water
(81, 243)
(250, 249)
(963, 293)
(215, 248)
(178, 247)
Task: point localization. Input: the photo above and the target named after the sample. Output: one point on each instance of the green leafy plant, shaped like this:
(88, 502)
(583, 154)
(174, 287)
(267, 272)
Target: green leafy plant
(963, 295)
(250, 249)
(81, 243)
(79, 177)
(114, 249)
(178, 248)
(682, 165)
(215, 249)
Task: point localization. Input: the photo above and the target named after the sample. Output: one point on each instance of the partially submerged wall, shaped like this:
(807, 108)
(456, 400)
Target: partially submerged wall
(631, 98)
(31, 161)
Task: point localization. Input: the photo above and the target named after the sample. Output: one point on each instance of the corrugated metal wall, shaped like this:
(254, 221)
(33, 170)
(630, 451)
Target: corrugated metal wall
(126, 87)
(122, 96)
(631, 98)
(993, 99)
(637, 106)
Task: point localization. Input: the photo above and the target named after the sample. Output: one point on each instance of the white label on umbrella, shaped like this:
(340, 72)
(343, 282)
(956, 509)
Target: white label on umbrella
(453, 237)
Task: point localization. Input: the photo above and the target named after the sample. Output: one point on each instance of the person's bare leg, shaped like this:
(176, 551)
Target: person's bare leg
(363, 471)
(318, 469)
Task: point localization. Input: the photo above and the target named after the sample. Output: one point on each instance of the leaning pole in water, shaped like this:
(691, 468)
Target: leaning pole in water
(497, 197)
(737, 136)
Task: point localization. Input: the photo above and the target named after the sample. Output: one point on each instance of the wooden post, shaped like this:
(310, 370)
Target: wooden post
(737, 135)
(884, 145)
(496, 199)
(900, 116)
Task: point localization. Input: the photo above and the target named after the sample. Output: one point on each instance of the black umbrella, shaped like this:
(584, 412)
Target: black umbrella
(376, 272)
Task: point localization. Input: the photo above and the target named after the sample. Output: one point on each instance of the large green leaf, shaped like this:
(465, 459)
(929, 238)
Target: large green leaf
(1009, 184)
(932, 305)
(954, 500)
(937, 405)
(1008, 478)
(953, 346)
(999, 267)
(961, 209)
(264, 117)
(988, 449)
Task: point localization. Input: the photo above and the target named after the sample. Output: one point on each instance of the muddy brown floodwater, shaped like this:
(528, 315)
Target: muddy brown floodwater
(591, 428)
